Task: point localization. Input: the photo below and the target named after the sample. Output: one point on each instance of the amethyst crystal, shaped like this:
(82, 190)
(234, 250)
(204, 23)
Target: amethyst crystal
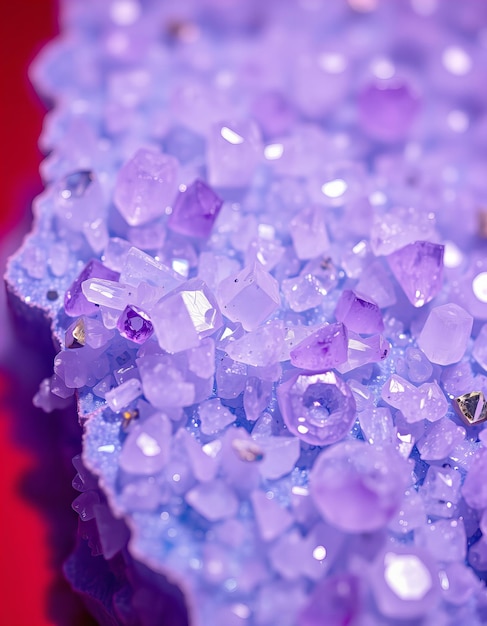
(451, 321)
(359, 314)
(324, 349)
(146, 185)
(135, 324)
(75, 302)
(317, 408)
(418, 268)
(195, 211)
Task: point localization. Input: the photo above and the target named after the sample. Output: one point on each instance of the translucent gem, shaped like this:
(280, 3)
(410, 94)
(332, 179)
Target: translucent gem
(404, 582)
(418, 366)
(441, 490)
(75, 302)
(444, 539)
(418, 268)
(233, 152)
(145, 186)
(280, 456)
(376, 285)
(108, 293)
(447, 320)
(214, 416)
(185, 316)
(364, 350)
(164, 382)
(261, 347)
(308, 232)
(471, 407)
(146, 449)
(358, 314)
(195, 211)
(323, 350)
(303, 292)
(249, 297)
(214, 500)
(357, 487)
(317, 408)
(139, 267)
(120, 397)
(415, 403)
(440, 440)
(135, 324)
(272, 519)
(257, 396)
(377, 425)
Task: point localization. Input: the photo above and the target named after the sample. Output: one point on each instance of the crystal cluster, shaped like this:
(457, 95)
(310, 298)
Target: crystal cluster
(262, 250)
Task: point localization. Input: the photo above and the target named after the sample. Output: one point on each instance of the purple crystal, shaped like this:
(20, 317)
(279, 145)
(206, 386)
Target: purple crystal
(415, 403)
(358, 314)
(447, 320)
(249, 297)
(280, 456)
(185, 316)
(75, 302)
(146, 185)
(404, 582)
(323, 350)
(257, 395)
(135, 324)
(309, 234)
(445, 540)
(441, 490)
(440, 440)
(272, 519)
(146, 449)
(120, 397)
(214, 500)
(418, 268)
(261, 347)
(87, 331)
(164, 382)
(419, 368)
(364, 350)
(335, 601)
(317, 408)
(303, 292)
(387, 109)
(357, 487)
(214, 416)
(195, 211)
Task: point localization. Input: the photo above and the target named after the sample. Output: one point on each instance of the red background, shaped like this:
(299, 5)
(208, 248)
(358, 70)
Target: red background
(29, 574)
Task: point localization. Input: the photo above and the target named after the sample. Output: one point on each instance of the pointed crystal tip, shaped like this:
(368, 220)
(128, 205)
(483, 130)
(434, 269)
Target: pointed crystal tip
(471, 407)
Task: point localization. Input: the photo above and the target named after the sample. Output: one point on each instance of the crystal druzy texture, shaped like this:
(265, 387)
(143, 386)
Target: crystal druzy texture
(262, 250)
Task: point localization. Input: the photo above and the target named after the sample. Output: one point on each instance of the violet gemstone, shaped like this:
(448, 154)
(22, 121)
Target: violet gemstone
(185, 316)
(359, 314)
(404, 582)
(387, 109)
(317, 408)
(357, 487)
(445, 335)
(418, 268)
(323, 350)
(249, 297)
(75, 302)
(145, 186)
(146, 449)
(195, 211)
(135, 324)
(308, 232)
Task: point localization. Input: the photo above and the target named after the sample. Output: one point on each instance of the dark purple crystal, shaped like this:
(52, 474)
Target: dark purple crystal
(75, 303)
(135, 324)
(195, 210)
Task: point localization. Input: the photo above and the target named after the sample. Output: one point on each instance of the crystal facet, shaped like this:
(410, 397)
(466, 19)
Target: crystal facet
(195, 210)
(418, 268)
(446, 321)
